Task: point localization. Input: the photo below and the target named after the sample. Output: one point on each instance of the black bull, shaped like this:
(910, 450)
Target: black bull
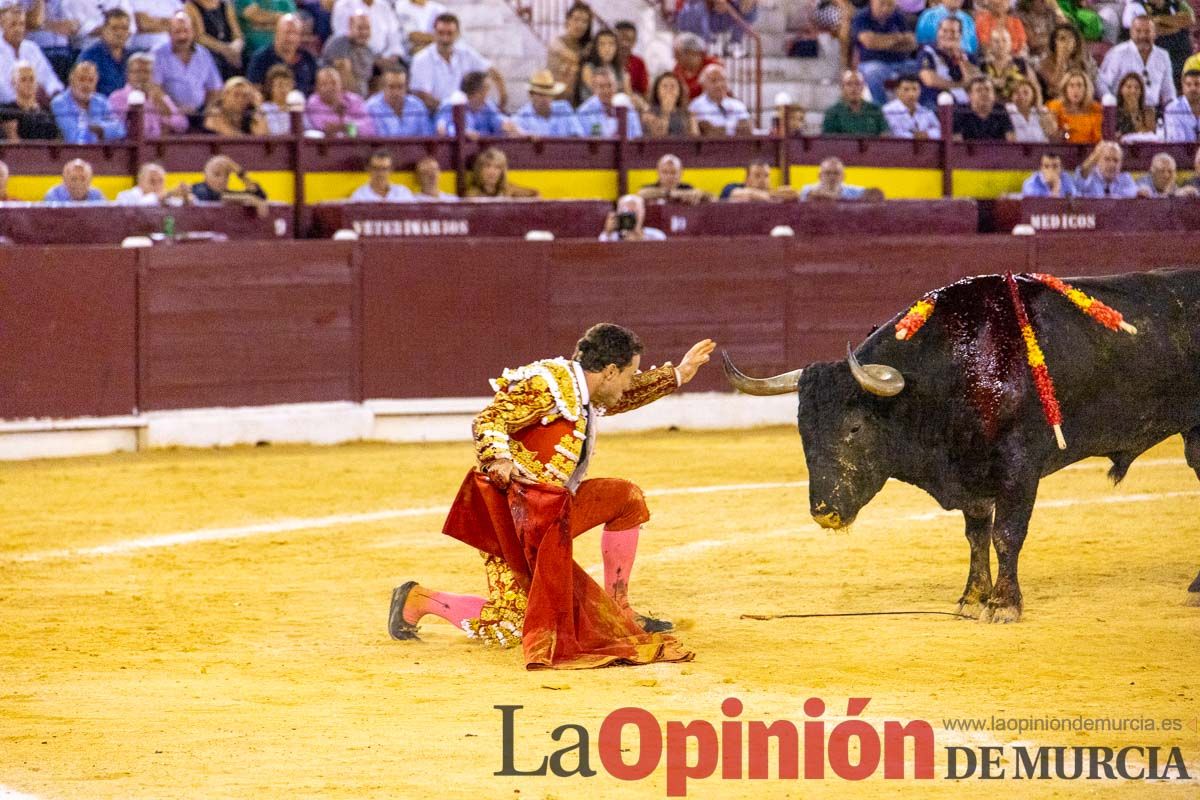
(964, 420)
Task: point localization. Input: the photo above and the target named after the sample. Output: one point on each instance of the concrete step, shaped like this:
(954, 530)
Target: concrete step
(782, 68)
(492, 28)
(808, 94)
(480, 16)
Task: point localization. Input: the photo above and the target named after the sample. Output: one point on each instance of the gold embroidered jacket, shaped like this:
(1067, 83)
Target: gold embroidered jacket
(540, 416)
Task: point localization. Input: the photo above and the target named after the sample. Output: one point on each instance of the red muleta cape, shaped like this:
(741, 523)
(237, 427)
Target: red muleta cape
(570, 621)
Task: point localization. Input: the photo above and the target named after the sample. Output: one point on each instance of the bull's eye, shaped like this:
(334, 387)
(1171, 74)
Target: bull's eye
(856, 428)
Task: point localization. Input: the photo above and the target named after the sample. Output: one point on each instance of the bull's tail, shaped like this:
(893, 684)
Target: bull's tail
(1120, 466)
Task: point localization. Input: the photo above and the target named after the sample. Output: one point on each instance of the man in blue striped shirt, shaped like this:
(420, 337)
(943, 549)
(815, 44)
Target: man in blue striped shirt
(83, 116)
(598, 114)
(394, 111)
(1101, 176)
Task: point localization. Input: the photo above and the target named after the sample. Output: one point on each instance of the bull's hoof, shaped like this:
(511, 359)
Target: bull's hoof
(1193, 600)
(971, 608)
(1000, 614)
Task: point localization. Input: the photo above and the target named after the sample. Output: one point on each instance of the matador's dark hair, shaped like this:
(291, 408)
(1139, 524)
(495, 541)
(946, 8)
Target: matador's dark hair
(606, 344)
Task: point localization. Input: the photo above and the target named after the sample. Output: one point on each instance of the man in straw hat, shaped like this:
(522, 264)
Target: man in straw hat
(543, 115)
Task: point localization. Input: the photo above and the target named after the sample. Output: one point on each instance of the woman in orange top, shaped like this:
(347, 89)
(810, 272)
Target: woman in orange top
(1078, 114)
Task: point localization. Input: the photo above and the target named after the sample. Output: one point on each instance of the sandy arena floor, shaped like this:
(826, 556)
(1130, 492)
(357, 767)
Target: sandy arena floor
(258, 666)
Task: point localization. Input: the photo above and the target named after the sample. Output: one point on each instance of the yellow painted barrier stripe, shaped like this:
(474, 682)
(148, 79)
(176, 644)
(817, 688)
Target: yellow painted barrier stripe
(986, 184)
(558, 184)
(320, 187)
(896, 183)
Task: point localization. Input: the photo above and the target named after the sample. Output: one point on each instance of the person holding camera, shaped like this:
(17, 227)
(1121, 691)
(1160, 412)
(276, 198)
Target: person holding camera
(627, 223)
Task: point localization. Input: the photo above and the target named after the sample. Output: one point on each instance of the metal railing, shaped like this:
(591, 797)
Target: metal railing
(297, 154)
(745, 69)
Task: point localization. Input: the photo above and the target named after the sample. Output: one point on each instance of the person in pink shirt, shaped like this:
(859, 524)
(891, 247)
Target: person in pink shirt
(334, 111)
(161, 113)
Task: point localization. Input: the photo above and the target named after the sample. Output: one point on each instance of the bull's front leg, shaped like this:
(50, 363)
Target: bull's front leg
(979, 579)
(1014, 507)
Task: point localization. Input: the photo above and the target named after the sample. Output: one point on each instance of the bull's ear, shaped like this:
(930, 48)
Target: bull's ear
(878, 379)
(779, 384)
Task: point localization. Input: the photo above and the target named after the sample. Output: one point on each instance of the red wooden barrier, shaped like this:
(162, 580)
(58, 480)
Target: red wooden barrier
(439, 318)
(89, 331)
(31, 223)
(673, 294)
(300, 155)
(25, 223)
(1094, 254)
(68, 332)
(248, 324)
(817, 218)
(487, 219)
(1065, 215)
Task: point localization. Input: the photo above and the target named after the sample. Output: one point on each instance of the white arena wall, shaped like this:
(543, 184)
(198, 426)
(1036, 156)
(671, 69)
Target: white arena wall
(430, 420)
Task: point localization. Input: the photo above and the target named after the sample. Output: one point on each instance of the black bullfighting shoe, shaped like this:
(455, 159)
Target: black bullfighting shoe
(653, 625)
(398, 627)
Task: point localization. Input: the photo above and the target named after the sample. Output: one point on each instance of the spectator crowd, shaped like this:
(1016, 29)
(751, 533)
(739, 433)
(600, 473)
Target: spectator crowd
(1010, 70)
(351, 68)
(1022, 70)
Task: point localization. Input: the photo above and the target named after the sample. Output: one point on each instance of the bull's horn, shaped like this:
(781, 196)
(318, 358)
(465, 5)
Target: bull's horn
(878, 379)
(780, 384)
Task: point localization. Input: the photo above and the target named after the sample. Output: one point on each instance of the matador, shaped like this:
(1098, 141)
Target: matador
(528, 498)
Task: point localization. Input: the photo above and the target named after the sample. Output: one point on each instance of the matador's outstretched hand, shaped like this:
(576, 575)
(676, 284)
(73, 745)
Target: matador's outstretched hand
(696, 357)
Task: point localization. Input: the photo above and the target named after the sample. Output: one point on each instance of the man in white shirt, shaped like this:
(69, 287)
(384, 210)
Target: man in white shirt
(1182, 115)
(379, 188)
(15, 47)
(437, 71)
(151, 190)
(385, 26)
(715, 111)
(906, 117)
(428, 175)
(1141, 56)
(416, 22)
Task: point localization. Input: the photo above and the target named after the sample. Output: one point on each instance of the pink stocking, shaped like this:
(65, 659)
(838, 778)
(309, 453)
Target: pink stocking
(618, 549)
(454, 608)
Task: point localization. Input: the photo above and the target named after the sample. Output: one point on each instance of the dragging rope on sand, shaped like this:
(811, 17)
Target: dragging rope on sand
(853, 614)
